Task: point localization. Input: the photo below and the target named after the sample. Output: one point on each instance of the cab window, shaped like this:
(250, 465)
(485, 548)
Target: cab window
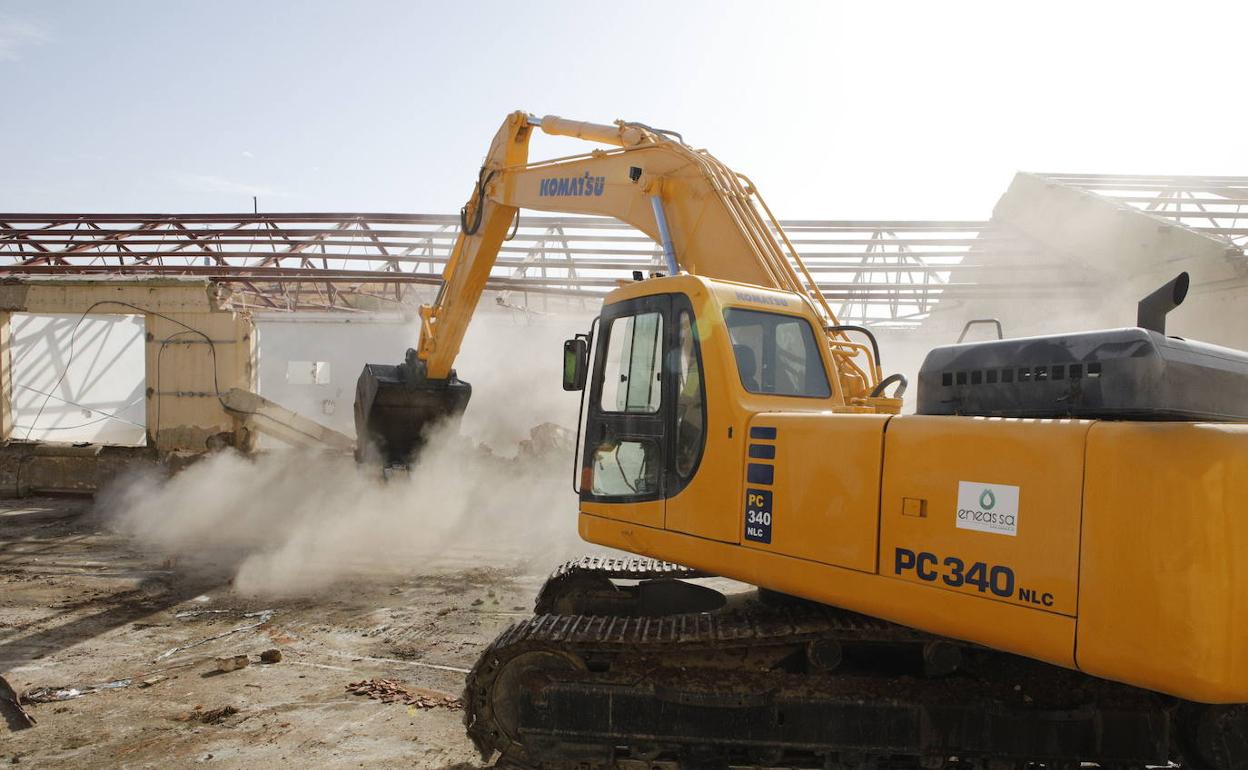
(689, 410)
(626, 468)
(631, 381)
(776, 354)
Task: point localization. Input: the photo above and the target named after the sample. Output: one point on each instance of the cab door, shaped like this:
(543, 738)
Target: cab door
(626, 458)
(706, 440)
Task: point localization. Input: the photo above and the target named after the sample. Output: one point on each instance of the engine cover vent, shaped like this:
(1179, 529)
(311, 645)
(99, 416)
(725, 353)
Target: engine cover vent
(1115, 374)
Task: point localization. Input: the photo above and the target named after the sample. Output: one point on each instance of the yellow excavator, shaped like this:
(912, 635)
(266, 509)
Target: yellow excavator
(1046, 565)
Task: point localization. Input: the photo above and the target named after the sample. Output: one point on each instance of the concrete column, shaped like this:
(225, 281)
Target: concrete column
(6, 377)
(150, 347)
(184, 412)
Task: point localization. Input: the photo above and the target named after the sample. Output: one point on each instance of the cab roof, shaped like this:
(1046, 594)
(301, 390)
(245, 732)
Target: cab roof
(725, 293)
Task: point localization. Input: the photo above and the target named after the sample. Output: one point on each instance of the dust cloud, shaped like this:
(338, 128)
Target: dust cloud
(493, 490)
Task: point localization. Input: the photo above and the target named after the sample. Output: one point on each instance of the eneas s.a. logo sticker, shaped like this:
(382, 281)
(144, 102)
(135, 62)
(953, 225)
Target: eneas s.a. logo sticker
(988, 507)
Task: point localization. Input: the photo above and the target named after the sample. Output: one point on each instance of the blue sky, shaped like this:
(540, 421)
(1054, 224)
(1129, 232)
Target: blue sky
(836, 110)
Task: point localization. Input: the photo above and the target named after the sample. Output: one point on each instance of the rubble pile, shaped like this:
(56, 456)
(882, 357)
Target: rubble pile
(390, 691)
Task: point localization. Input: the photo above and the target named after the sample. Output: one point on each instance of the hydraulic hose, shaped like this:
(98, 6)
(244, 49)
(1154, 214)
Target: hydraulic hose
(515, 226)
(875, 346)
(482, 180)
(899, 378)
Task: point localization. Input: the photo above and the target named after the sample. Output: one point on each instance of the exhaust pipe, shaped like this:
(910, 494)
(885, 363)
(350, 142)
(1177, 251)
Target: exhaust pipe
(1151, 312)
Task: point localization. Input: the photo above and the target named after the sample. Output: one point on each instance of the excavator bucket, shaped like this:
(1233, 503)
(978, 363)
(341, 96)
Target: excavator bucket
(396, 405)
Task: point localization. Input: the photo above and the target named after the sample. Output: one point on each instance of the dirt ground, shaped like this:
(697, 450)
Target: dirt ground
(80, 606)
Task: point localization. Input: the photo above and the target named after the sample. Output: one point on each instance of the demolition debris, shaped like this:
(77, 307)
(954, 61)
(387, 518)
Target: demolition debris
(390, 691)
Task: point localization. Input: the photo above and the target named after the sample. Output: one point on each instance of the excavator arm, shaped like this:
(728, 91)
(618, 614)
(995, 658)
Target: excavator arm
(709, 220)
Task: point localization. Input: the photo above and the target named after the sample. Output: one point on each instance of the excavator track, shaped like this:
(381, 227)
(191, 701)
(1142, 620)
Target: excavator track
(623, 568)
(794, 685)
(588, 584)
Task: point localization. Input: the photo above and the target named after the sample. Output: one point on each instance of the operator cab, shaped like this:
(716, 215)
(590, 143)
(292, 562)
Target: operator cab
(657, 361)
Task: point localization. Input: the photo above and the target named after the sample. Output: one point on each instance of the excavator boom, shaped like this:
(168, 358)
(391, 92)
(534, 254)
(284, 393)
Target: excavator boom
(709, 220)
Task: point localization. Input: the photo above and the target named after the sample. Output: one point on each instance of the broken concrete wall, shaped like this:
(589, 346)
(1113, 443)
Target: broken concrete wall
(291, 344)
(188, 372)
(196, 349)
(510, 356)
(28, 468)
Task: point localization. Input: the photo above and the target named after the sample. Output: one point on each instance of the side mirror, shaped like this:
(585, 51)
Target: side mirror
(575, 363)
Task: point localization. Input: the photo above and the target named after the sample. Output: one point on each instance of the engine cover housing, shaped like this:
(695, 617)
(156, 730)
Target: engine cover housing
(1127, 373)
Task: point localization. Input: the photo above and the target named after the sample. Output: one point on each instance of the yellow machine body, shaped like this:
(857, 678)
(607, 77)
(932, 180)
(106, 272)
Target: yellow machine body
(1114, 548)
